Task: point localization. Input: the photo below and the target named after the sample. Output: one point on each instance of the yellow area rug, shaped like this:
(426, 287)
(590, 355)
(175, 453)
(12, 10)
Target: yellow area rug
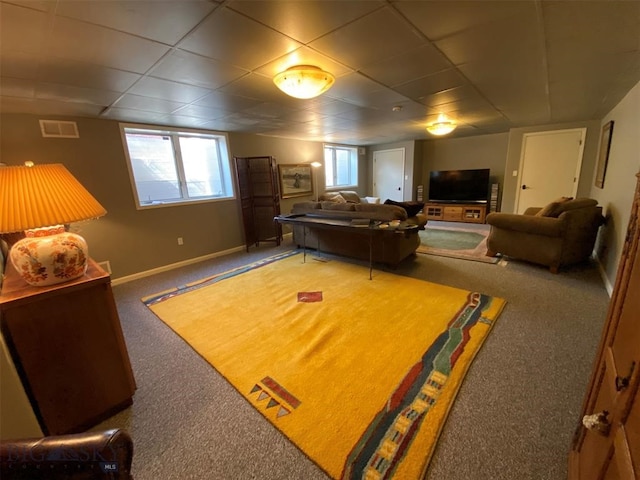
(360, 374)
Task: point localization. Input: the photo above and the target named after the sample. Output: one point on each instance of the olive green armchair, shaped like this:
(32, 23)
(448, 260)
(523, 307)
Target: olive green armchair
(562, 233)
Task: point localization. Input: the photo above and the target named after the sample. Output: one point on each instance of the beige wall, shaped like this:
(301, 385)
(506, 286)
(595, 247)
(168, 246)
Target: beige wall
(482, 151)
(132, 240)
(619, 184)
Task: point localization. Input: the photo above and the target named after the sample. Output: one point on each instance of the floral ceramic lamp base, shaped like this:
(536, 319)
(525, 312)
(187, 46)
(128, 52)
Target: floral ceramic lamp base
(50, 259)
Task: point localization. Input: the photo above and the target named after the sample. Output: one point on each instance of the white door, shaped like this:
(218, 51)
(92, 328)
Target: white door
(388, 174)
(549, 167)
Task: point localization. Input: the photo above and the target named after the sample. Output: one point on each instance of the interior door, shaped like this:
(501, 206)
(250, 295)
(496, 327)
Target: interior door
(549, 167)
(388, 174)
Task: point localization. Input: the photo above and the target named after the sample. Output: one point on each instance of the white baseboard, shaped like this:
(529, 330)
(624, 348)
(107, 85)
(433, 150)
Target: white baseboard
(603, 275)
(172, 266)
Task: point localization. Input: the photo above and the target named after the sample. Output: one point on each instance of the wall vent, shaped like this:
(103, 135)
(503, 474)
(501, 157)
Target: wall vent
(59, 129)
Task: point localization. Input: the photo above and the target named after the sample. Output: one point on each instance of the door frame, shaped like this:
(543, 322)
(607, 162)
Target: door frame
(583, 134)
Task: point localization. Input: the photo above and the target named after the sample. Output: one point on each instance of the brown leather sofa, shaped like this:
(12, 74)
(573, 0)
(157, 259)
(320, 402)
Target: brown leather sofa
(562, 233)
(390, 247)
(105, 455)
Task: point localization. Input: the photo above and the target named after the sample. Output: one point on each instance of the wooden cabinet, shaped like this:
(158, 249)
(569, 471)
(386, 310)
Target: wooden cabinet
(470, 213)
(259, 199)
(67, 345)
(606, 444)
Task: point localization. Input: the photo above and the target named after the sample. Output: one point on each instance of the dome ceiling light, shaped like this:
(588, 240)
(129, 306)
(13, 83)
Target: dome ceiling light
(304, 81)
(442, 126)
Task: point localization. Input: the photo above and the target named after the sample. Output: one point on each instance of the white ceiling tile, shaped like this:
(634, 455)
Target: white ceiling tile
(166, 90)
(439, 19)
(406, 66)
(155, 105)
(376, 36)
(305, 21)
(18, 64)
(72, 94)
(92, 44)
(81, 74)
(303, 56)
(22, 29)
(186, 67)
(17, 87)
(226, 35)
(164, 21)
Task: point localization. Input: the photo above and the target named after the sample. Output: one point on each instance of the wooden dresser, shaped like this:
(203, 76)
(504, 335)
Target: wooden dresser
(67, 345)
(606, 444)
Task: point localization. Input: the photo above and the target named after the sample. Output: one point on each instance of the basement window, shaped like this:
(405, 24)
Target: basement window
(172, 167)
(340, 166)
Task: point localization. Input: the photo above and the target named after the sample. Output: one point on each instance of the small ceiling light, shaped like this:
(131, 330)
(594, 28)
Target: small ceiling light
(304, 81)
(397, 108)
(441, 126)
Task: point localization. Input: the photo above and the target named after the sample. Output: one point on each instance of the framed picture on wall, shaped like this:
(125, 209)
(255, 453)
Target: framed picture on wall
(603, 154)
(295, 180)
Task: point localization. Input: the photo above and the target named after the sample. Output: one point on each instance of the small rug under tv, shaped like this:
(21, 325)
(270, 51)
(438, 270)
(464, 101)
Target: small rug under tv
(359, 374)
(447, 239)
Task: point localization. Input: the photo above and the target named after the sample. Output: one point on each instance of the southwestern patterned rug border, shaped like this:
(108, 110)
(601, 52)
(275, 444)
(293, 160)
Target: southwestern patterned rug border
(359, 374)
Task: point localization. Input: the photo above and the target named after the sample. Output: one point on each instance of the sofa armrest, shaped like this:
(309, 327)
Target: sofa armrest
(548, 226)
(90, 455)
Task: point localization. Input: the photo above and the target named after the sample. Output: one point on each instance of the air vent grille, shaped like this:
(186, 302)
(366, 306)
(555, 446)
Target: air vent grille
(59, 129)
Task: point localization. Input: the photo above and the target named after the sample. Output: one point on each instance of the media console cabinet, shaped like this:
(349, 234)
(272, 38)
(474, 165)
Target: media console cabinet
(68, 349)
(448, 212)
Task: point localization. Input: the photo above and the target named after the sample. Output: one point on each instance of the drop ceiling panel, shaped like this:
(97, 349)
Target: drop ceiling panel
(406, 66)
(17, 87)
(227, 102)
(48, 107)
(494, 65)
(69, 93)
(304, 21)
(164, 21)
(226, 35)
(376, 36)
(189, 68)
(92, 44)
(148, 104)
(166, 90)
(19, 65)
(440, 19)
(429, 85)
(22, 29)
(81, 74)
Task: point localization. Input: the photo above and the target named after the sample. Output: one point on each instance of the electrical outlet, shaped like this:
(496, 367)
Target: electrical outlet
(180, 241)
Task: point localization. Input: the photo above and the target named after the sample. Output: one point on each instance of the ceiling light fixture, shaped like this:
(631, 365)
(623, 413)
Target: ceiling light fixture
(441, 126)
(304, 81)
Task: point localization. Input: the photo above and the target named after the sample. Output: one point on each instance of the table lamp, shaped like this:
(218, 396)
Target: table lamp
(40, 200)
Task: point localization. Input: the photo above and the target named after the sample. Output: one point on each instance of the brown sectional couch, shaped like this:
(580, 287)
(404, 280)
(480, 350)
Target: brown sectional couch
(389, 247)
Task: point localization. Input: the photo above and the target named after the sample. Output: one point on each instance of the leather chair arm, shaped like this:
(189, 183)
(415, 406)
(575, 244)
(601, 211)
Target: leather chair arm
(89, 455)
(547, 226)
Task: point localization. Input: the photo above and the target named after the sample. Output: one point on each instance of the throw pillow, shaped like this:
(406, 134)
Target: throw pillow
(554, 208)
(412, 208)
(351, 197)
(333, 197)
(373, 200)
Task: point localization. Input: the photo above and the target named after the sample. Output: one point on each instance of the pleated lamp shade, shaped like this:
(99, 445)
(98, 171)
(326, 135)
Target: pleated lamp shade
(42, 196)
(33, 197)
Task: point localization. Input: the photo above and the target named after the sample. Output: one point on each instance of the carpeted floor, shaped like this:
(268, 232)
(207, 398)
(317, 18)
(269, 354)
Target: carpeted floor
(513, 418)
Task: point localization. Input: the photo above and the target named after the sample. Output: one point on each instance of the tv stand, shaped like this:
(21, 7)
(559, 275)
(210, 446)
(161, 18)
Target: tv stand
(456, 212)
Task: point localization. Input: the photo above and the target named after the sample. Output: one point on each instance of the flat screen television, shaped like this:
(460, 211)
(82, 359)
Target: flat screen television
(459, 186)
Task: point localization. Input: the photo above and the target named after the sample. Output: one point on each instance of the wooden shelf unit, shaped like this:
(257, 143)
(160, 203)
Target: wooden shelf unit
(468, 213)
(68, 348)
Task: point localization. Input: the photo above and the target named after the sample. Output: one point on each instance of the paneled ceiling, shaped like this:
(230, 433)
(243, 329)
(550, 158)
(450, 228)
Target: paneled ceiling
(491, 65)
